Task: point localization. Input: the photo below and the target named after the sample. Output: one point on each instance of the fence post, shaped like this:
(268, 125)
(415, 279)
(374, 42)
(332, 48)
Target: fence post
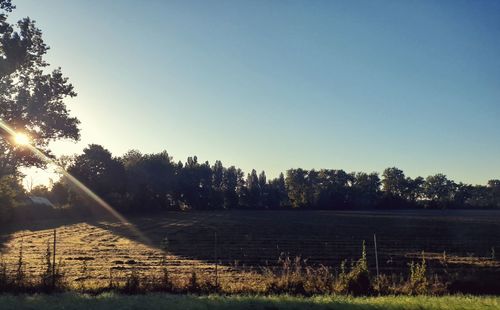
(216, 259)
(376, 254)
(111, 284)
(54, 261)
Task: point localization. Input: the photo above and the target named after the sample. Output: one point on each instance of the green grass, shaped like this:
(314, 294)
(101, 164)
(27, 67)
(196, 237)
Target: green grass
(165, 301)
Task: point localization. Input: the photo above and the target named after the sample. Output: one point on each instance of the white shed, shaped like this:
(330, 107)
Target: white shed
(37, 200)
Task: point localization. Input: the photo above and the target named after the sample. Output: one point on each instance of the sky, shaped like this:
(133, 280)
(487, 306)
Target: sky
(273, 85)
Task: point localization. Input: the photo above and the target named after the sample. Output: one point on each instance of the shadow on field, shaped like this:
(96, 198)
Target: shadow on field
(259, 237)
(322, 237)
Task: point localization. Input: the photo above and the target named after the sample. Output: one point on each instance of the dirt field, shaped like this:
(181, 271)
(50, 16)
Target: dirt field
(243, 241)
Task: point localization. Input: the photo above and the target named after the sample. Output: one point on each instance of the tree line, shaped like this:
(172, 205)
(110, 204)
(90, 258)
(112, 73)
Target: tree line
(139, 182)
(32, 102)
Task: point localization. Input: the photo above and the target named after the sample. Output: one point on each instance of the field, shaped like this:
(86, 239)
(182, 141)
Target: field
(240, 243)
(165, 301)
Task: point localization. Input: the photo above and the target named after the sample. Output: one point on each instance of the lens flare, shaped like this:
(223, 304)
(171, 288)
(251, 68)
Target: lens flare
(21, 139)
(74, 181)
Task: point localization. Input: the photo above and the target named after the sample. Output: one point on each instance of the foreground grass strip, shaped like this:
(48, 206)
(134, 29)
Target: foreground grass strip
(166, 301)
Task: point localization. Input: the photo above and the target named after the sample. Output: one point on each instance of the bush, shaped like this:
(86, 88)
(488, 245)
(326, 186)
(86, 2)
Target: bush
(357, 280)
(290, 278)
(417, 280)
(10, 191)
(382, 285)
(52, 277)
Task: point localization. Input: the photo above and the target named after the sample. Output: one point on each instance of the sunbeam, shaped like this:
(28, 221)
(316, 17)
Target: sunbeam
(24, 140)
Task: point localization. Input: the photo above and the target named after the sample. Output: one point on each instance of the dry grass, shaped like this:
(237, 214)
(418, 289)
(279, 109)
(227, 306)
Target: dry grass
(98, 254)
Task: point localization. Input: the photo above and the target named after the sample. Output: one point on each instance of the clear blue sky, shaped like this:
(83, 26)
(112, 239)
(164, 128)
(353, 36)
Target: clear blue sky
(271, 85)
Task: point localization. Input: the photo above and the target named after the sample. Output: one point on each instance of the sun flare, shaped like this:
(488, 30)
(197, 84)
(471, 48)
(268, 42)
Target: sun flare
(21, 139)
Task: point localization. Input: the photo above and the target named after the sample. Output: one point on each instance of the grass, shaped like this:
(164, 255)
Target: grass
(166, 301)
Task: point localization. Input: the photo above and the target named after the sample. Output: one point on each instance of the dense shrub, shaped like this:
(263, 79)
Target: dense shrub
(417, 279)
(10, 193)
(357, 280)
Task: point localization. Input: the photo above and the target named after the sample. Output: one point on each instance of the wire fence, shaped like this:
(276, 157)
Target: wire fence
(104, 253)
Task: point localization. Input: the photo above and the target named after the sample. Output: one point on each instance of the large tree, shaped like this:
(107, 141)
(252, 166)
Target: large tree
(232, 182)
(150, 180)
(252, 194)
(100, 171)
(195, 184)
(331, 188)
(217, 194)
(494, 189)
(277, 196)
(439, 190)
(31, 96)
(394, 182)
(298, 187)
(365, 189)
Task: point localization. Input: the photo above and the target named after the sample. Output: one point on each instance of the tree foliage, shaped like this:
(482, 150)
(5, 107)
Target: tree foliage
(150, 182)
(10, 192)
(31, 96)
(31, 102)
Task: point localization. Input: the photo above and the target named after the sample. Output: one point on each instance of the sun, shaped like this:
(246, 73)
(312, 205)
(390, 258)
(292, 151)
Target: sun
(21, 139)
